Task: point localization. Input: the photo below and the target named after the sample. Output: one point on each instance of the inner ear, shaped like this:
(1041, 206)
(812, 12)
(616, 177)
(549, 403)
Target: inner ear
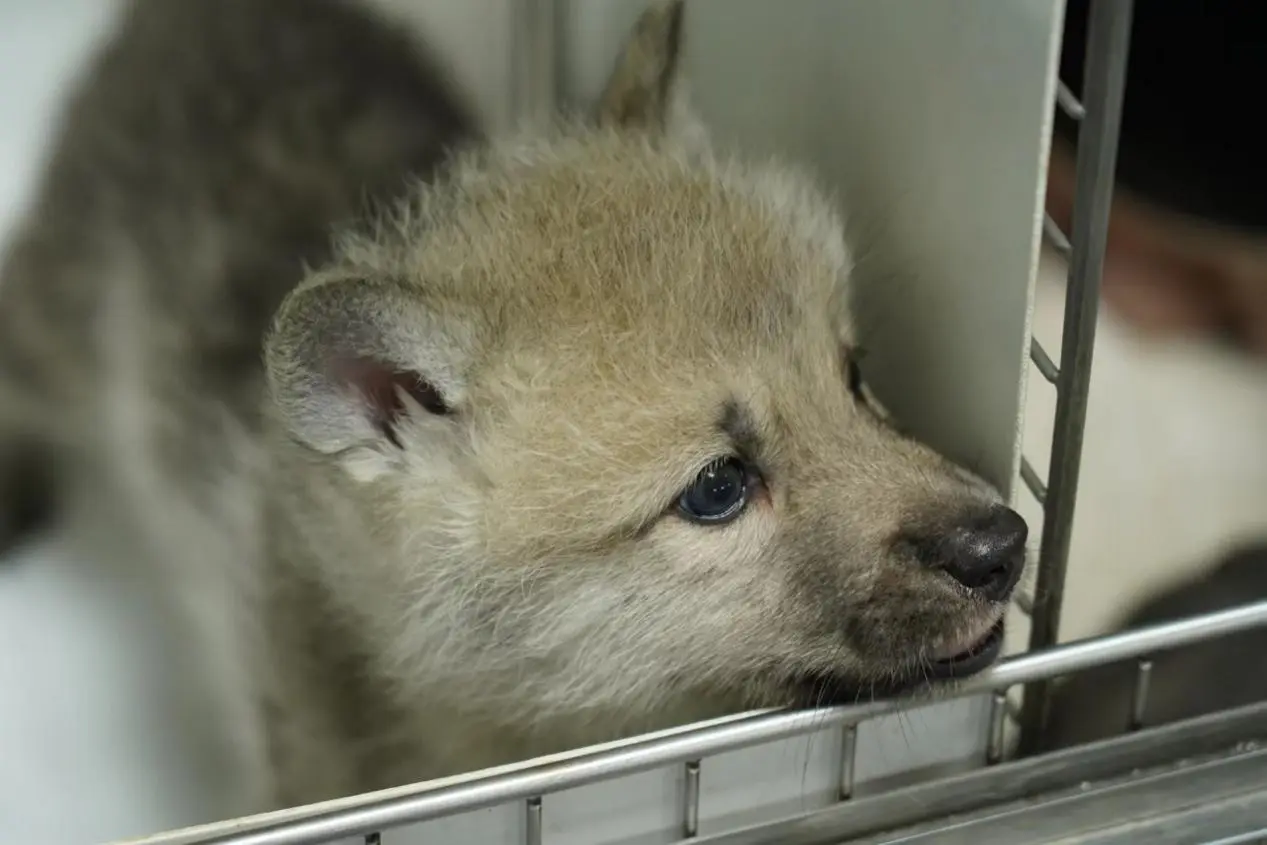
(350, 360)
(385, 390)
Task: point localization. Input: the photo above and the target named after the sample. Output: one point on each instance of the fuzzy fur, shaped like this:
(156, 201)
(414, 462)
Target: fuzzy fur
(482, 563)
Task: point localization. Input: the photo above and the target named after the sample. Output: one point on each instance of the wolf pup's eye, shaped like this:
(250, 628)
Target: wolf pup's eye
(718, 494)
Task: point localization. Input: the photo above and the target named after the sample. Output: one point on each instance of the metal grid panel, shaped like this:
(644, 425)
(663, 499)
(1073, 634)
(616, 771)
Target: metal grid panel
(532, 787)
(1229, 777)
(1108, 38)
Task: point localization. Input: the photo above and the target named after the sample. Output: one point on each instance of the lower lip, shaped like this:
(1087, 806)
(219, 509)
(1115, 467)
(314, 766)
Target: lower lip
(970, 662)
(822, 692)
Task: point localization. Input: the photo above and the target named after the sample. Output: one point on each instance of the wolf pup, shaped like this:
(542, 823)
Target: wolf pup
(559, 438)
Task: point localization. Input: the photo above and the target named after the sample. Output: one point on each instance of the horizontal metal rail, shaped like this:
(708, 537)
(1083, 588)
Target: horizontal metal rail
(1043, 362)
(1089, 771)
(745, 731)
(1056, 237)
(1068, 102)
(1036, 487)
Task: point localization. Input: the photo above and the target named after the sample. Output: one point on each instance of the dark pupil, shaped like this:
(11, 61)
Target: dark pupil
(718, 491)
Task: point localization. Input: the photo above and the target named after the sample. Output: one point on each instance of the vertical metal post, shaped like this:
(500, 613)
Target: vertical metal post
(848, 756)
(690, 813)
(1139, 694)
(532, 822)
(534, 59)
(1104, 82)
(998, 728)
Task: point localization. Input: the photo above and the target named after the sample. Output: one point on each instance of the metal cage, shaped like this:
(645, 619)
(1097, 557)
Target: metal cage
(1203, 780)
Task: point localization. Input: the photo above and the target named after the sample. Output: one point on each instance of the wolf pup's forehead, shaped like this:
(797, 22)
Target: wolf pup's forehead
(628, 209)
(602, 225)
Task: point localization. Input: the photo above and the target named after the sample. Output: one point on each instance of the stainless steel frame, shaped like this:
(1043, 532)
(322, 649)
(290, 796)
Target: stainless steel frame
(1104, 81)
(691, 748)
(1204, 780)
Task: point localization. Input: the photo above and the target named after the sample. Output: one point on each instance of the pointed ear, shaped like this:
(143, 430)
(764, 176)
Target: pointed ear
(350, 362)
(644, 91)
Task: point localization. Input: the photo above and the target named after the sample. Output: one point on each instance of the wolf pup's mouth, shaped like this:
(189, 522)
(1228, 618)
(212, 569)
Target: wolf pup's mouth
(971, 660)
(825, 691)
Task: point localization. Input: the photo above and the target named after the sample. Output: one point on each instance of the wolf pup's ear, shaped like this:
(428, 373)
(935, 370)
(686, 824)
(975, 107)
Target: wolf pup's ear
(354, 363)
(645, 91)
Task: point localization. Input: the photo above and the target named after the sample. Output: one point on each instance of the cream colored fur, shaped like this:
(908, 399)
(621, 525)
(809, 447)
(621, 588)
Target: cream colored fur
(587, 302)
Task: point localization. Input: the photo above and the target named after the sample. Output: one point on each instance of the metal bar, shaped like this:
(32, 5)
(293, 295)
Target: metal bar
(690, 816)
(532, 821)
(758, 728)
(998, 722)
(1069, 102)
(1024, 603)
(1139, 694)
(1056, 237)
(1251, 837)
(1030, 477)
(1108, 39)
(848, 758)
(1096, 765)
(1043, 361)
(534, 59)
(1148, 808)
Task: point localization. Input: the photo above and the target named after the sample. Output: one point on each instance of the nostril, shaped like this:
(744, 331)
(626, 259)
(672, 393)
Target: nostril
(989, 582)
(998, 585)
(984, 552)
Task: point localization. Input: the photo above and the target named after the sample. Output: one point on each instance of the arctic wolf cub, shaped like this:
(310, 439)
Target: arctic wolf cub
(460, 450)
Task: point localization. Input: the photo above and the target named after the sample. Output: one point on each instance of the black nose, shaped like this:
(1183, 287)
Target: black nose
(984, 551)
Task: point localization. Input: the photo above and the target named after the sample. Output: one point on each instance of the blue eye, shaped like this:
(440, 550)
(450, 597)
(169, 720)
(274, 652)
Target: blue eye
(718, 494)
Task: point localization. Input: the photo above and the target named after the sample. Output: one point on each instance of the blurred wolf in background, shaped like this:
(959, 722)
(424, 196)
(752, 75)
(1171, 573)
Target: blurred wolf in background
(1187, 682)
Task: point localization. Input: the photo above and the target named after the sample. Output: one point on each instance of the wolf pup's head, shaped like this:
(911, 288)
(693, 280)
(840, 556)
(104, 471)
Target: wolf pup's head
(592, 405)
